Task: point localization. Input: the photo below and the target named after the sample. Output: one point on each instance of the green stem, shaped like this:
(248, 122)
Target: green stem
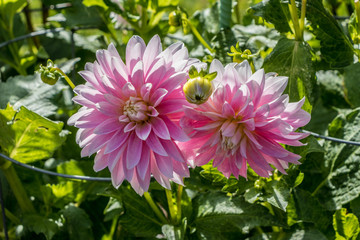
(357, 10)
(18, 190)
(302, 19)
(178, 202)
(198, 36)
(295, 20)
(237, 12)
(154, 207)
(66, 78)
(171, 205)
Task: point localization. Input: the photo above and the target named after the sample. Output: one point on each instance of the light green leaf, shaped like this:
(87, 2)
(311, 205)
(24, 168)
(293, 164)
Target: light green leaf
(40, 224)
(225, 214)
(74, 167)
(77, 223)
(31, 92)
(28, 137)
(230, 184)
(342, 163)
(346, 225)
(100, 3)
(293, 59)
(352, 83)
(336, 48)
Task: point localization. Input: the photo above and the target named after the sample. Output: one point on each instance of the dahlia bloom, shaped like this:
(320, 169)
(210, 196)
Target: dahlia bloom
(131, 112)
(243, 122)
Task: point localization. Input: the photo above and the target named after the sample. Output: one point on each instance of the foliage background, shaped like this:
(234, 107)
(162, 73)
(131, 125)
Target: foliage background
(318, 199)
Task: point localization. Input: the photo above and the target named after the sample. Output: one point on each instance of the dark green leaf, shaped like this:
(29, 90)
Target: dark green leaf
(41, 224)
(113, 209)
(225, 214)
(274, 12)
(138, 218)
(28, 137)
(305, 208)
(293, 59)
(31, 92)
(342, 163)
(352, 83)
(77, 223)
(332, 87)
(336, 48)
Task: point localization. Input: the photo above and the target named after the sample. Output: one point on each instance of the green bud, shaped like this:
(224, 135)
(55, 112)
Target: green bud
(49, 73)
(197, 90)
(259, 184)
(175, 18)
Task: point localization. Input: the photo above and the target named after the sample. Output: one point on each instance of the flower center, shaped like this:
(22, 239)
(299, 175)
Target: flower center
(226, 143)
(136, 110)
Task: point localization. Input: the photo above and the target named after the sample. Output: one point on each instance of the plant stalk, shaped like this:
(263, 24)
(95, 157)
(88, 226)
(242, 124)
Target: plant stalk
(302, 18)
(18, 189)
(295, 20)
(171, 205)
(178, 202)
(155, 208)
(66, 78)
(357, 10)
(198, 36)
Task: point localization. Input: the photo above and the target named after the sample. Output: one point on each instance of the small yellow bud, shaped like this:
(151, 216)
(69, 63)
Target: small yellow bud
(198, 90)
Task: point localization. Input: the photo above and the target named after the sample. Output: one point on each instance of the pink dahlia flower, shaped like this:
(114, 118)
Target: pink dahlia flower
(244, 122)
(131, 112)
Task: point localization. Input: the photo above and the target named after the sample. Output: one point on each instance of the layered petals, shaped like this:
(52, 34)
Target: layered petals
(131, 112)
(244, 123)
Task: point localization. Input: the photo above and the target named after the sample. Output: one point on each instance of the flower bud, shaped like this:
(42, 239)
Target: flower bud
(49, 74)
(175, 18)
(197, 90)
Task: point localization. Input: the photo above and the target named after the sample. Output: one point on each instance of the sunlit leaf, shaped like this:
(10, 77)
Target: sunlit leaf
(28, 137)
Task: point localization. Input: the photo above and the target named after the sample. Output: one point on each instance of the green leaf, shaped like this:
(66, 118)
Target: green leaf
(174, 232)
(8, 8)
(28, 137)
(113, 209)
(293, 59)
(276, 193)
(298, 234)
(340, 185)
(351, 82)
(74, 167)
(230, 184)
(336, 48)
(77, 223)
(138, 218)
(41, 224)
(275, 12)
(225, 214)
(31, 92)
(305, 208)
(346, 225)
(100, 3)
(332, 88)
